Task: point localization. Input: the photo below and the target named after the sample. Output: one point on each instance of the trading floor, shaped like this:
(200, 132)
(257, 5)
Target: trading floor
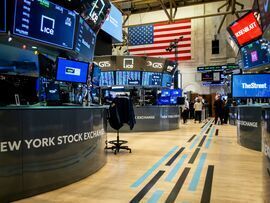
(197, 163)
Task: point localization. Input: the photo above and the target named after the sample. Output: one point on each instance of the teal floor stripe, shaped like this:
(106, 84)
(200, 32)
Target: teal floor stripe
(196, 140)
(207, 145)
(153, 168)
(177, 167)
(197, 175)
(156, 196)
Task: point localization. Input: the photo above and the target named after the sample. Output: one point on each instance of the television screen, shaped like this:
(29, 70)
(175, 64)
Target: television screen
(95, 12)
(151, 79)
(113, 24)
(246, 29)
(166, 80)
(255, 54)
(45, 22)
(132, 78)
(47, 67)
(107, 78)
(176, 93)
(52, 92)
(251, 85)
(208, 76)
(85, 40)
(96, 74)
(72, 71)
(2, 16)
(165, 93)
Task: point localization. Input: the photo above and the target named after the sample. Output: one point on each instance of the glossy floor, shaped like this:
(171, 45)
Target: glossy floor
(197, 163)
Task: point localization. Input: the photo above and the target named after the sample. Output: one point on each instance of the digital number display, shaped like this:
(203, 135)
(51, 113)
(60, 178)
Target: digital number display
(107, 78)
(128, 78)
(151, 79)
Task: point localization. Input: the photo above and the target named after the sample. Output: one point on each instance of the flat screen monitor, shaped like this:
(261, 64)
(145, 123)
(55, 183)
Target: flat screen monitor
(45, 22)
(151, 79)
(246, 29)
(2, 16)
(72, 71)
(166, 80)
(107, 78)
(164, 101)
(165, 93)
(113, 24)
(47, 67)
(173, 100)
(255, 54)
(96, 74)
(52, 92)
(251, 86)
(208, 76)
(95, 12)
(85, 40)
(176, 93)
(129, 78)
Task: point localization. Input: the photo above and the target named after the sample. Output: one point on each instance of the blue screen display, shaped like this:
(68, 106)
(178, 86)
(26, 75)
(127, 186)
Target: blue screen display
(166, 80)
(132, 78)
(251, 85)
(72, 71)
(176, 92)
(151, 79)
(2, 15)
(164, 101)
(96, 74)
(45, 22)
(107, 78)
(165, 93)
(85, 40)
(113, 24)
(255, 54)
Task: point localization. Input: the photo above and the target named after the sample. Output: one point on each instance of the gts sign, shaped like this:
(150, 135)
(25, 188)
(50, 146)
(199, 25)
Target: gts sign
(154, 65)
(104, 64)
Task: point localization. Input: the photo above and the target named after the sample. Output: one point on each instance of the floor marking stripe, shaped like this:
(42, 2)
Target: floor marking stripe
(147, 187)
(198, 137)
(176, 189)
(153, 168)
(191, 138)
(156, 196)
(177, 167)
(175, 156)
(194, 156)
(202, 141)
(207, 145)
(196, 177)
(206, 195)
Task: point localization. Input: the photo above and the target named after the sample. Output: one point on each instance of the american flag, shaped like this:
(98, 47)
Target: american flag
(152, 40)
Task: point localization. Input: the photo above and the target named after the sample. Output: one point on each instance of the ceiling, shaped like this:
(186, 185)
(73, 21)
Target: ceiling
(140, 6)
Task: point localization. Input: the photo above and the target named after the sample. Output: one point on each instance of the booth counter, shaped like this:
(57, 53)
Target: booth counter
(266, 140)
(233, 115)
(249, 127)
(44, 148)
(154, 118)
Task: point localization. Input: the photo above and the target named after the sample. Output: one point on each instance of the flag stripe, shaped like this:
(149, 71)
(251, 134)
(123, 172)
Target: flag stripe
(152, 40)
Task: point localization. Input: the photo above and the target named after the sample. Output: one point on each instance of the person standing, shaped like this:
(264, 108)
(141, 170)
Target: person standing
(198, 106)
(218, 109)
(185, 111)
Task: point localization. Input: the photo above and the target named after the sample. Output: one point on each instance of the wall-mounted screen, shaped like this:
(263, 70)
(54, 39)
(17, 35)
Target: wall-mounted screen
(72, 71)
(95, 12)
(45, 22)
(85, 40)
(246, 29)
(96, 75)
(208, 76)
(166, 80)
(132, 78)
(2, 16)
(251, 85)
(113, 24)
(151, 79)
(107, 78)
(255, 54)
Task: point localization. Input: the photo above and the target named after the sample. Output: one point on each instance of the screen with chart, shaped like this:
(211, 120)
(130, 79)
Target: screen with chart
(132, 78)
(151, 79)
(107, 78)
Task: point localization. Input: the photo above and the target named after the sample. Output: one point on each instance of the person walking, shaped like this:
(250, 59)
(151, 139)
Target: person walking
(218, 110)
(198, 106)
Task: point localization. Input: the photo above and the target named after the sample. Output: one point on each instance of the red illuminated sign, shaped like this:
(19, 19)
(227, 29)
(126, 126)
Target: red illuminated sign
(246, 29)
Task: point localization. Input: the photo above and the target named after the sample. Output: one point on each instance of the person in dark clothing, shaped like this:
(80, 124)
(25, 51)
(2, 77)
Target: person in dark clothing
(227, 105)
(218, 110)
(191, 110)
